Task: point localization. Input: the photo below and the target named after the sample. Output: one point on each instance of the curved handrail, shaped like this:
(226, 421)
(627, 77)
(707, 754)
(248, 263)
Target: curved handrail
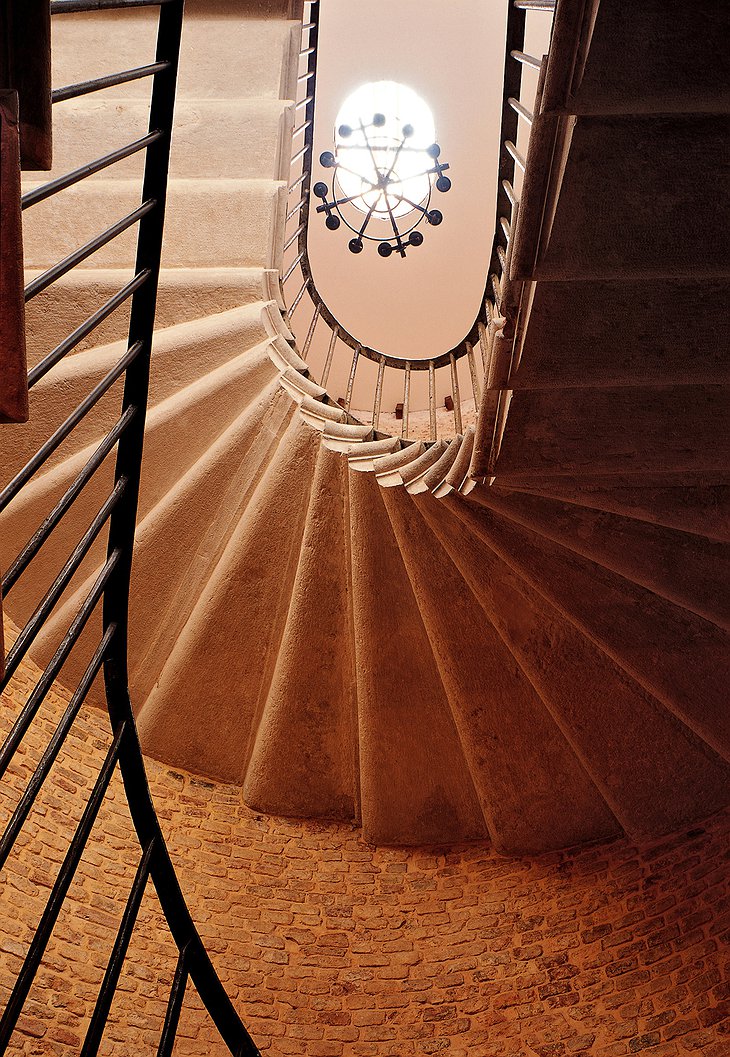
(113, 583)
(495, 309)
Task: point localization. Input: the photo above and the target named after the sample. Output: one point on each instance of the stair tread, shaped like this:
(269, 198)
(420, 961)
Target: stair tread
(244, 595)
(654, 773)
(415, 786)
(535, 795)
(309, 719)
(678, 657)
(688, 570)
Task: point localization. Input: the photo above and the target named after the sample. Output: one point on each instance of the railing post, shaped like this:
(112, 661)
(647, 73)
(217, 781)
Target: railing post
(456, 394)
(351, 379)
(310, 332)
(328, 362)
(476, 389)
(378, 393)
(406, 400)
(432, 398)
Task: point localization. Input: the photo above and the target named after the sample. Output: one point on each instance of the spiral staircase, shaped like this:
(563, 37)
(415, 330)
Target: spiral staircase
(517, 637)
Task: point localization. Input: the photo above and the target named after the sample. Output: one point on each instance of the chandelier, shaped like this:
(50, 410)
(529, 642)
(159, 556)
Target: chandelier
(384, 170)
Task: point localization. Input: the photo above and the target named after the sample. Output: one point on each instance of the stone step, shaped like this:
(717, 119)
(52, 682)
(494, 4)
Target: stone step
(679, 658)
(178, 548)
(590, 334)
(245, 599)
(653, 772)
(627, 204)
(534, 793)
(310, 715)
(179, 432)
(235, 138)
(184, 295)
(699, 504)
(222, 56)
(676, 73)
(181, 355)
(215, 223)
(414, 780)
(687, 570)
(615, 430)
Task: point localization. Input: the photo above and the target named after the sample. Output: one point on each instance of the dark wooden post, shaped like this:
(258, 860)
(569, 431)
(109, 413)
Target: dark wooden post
(25, 65)
(13, 369)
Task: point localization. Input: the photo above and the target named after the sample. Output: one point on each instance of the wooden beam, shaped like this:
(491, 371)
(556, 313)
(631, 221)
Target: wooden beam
(13, 368)
(25, 65)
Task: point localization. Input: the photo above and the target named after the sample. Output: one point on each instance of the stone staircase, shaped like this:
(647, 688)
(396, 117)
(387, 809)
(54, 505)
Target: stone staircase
(355, 628)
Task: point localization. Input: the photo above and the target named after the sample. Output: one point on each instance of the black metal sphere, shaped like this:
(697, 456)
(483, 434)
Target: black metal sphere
(327, 159)
(416, 238)
(332, 222)
(434, 150)
(378, 120)
(385, 249)
(344, 131)
(407, 131)
(355, 245)
(443, 183)
(435, 217)
(320, 190)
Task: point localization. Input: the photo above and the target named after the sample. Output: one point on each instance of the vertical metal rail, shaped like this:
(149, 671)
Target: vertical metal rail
(330, 353)
(432, 399)
(378, 394)
(406, 399)
(475, 387)
(121, 540)
(112, 585)
(310, 332)
(351, 379)
(457, 396)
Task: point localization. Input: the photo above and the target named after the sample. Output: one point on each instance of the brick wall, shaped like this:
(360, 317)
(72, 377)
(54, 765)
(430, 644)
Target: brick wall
(332, 947)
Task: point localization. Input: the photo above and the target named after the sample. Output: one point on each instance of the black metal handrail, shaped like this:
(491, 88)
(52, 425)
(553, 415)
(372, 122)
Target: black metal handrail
(478, 336)
(117, 513)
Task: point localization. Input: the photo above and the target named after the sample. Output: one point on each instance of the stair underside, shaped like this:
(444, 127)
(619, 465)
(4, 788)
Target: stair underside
(371, 637)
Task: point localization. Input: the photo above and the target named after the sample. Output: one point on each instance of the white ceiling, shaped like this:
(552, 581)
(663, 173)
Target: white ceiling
(452, 55)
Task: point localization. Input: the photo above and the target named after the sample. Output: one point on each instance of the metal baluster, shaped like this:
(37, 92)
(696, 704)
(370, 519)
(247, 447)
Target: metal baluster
(328, 361)
(406, 400)
(54, 747)
(310, 332)
(58, 894)
(297, 299)
(512, 150)
(291, 267)
(174, 1006)
(484, 341)
(378, 393)
(476, 389)
(351, 379)
(456, 394)
(432, 398)
(118, 954)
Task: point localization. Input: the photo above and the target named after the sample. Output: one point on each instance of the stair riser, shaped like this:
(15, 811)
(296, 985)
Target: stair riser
(220, 58)
(183, 296)
(528, 781)
(316, 663)
(181, 355)
(214, 224)
(244, 599)
(240, 139)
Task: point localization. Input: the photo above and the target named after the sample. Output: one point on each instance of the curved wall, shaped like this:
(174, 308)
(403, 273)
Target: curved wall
(332, 947)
